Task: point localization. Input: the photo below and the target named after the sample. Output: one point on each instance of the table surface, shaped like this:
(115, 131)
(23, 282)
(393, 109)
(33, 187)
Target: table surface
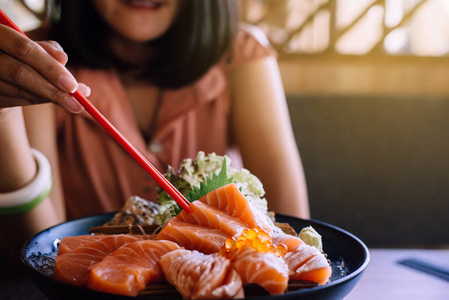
(384, 278)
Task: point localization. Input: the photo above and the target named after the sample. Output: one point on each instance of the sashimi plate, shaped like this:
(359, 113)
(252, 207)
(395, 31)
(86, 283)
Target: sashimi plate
(349, 257)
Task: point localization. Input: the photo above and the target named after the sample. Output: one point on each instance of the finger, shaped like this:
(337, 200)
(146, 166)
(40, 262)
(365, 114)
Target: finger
(84, 89)
(32, 54)
(25, 81)
(53, 44)
(55, 50)
(14, 102)
(8, 102)
(12, 96)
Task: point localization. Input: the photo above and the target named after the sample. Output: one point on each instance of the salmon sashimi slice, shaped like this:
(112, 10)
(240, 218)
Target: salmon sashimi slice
(70, 243)
(201, 276)
(229, 199)
(308, 263)
(264, 269)
(208, 216)
(72, 267)
(130, 268)
(288, 240)
(193, 237)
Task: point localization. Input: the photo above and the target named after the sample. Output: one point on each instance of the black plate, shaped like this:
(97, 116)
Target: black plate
(338, 244)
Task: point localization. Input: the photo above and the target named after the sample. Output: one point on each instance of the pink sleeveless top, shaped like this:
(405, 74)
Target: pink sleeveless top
(99, 176)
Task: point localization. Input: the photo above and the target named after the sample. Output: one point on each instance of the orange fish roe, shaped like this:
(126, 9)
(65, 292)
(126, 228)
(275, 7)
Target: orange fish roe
(256, 238)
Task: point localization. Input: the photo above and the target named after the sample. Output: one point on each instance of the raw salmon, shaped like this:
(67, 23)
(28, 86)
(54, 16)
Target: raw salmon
(288, 240)
(201, 276)
(229, 199)
(308, 263)
(193, 237)
(206, 215)
(72, 267)
(265, 269)
(70, 243)
(130, 268)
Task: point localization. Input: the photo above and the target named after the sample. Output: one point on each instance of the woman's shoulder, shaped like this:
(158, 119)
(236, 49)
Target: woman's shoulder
(250, 43)
(247, 32)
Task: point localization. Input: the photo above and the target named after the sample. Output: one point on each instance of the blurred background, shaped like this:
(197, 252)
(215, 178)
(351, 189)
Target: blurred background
(367, 84)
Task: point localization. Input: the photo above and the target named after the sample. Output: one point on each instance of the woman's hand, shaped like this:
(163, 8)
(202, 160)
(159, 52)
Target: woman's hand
(34, 72)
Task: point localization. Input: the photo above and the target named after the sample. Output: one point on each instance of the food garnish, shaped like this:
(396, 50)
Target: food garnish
(311, 237)
(194, 172)
(193, 179)
(210, 184)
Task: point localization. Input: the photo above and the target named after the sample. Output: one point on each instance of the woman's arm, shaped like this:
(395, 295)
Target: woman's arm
(40, 122)
(17, 168)
(262, 130)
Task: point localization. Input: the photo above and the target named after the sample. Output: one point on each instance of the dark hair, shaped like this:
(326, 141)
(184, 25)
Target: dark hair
(198, 38)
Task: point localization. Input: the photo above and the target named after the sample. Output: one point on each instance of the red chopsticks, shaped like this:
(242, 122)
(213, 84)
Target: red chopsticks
(160, 179)
(157, 176)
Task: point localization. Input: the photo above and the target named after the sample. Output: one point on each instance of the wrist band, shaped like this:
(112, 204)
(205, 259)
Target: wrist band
(29, 196)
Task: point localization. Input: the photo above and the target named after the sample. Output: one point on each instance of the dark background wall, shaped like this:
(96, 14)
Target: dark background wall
(377, 166)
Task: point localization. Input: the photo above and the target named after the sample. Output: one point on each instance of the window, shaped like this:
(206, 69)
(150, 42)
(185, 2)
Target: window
(353, 27)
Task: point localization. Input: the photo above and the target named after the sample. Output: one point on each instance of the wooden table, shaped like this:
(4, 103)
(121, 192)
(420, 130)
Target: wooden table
(385, 278)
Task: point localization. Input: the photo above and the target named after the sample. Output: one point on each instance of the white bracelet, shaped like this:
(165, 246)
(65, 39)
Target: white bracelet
(33, 193)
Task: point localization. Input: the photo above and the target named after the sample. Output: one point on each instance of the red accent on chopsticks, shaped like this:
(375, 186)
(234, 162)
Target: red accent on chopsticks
(157, 176)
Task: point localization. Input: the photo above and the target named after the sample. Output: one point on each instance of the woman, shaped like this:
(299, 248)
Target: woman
(175, 77)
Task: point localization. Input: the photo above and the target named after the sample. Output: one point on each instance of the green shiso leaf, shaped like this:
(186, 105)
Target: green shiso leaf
(211, 183)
